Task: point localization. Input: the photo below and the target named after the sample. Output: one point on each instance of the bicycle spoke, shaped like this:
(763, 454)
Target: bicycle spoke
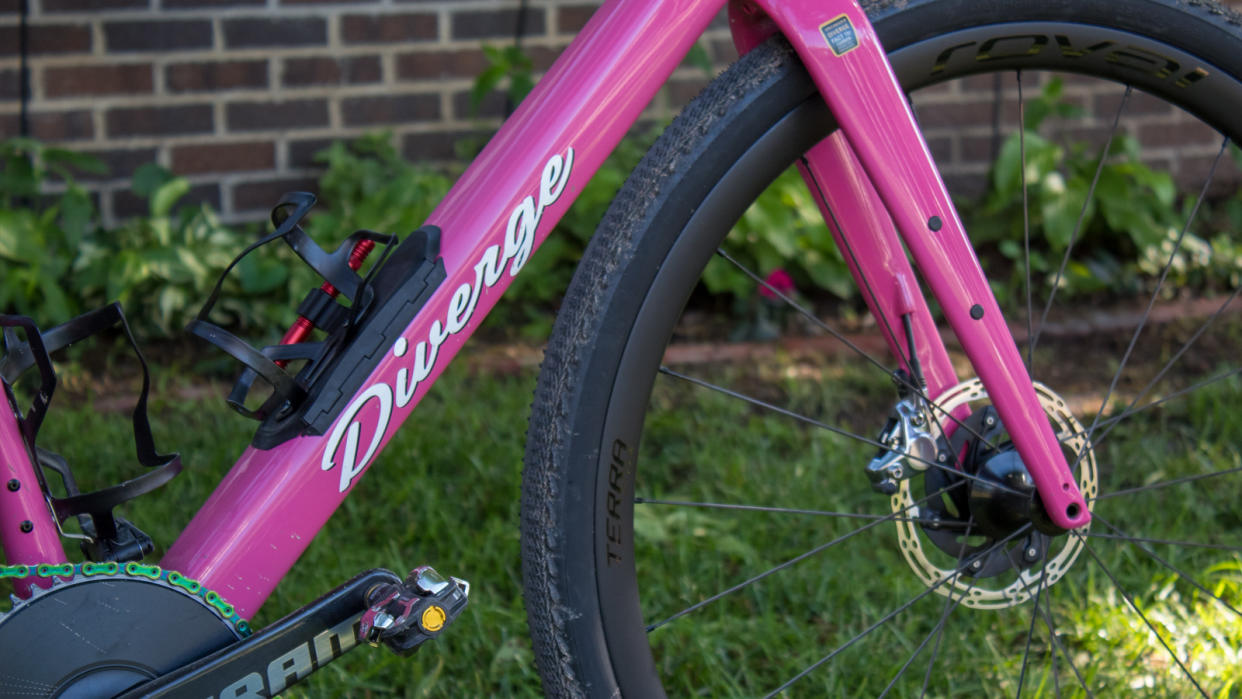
(836, 334)
(794, 511)
(803, 311)
(884, 322)
(1130, 601)
(796, 559)
(1137, 541)
(1177, 394)
(816, 423)
(887, 617)
(1166, 484)
(1130, 409)
(1082, 215)
(950, 605)
(1164, 273)
(945, 615)
(1144, 540)
(1056, 643)
(1030, 632)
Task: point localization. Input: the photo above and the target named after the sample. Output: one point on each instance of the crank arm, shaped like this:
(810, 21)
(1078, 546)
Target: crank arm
(279, 655)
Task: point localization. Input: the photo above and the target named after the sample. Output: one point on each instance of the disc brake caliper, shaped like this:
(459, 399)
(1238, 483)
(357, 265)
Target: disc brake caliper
(908, 446)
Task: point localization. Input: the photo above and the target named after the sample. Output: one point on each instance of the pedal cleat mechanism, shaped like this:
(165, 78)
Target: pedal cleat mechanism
(404, 616)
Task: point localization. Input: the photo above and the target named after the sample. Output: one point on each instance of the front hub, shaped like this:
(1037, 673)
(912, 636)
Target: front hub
(979, 515)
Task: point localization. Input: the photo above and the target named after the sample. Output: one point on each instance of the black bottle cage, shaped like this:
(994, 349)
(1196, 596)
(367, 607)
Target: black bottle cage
(19, 356)
(323, 311)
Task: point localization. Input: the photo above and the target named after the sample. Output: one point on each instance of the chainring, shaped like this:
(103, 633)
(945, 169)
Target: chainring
(103, 628)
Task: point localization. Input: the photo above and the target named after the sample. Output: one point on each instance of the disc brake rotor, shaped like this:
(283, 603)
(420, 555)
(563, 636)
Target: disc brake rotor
(943, 572)
(99, 632)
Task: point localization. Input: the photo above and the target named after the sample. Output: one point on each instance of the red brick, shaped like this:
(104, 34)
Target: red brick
(985, 82)
(438, 146)
(93, 5)
(259, 116)
(681, 91)
(542, 57)
(955, 114)
(189, 4)
(1106, 105)
(1195, 170)
(723, 51)
(223, 157)
(1178, 133)
(47, 39)
(967, 186)
(159, 121)
(981, 149)
(262, 196)
(437, 65)
(329, 71)
(570, 19)
(77, 81)
(121, 163)
(494, 105)
(157, 35)
(373, 29)
(302, 153)
(222, 75)
(10, 85)
(496, 24)
(941, 149)
(264, 33)
(76, 125)
(400, 109)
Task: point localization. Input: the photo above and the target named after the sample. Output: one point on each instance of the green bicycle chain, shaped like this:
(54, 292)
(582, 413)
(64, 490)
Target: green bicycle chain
(133, 570)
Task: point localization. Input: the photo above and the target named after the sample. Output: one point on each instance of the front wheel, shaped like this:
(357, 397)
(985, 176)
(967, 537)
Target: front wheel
(708, 529)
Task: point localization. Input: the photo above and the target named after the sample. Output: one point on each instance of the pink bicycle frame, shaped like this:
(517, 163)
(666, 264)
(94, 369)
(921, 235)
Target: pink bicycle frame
(273, 502)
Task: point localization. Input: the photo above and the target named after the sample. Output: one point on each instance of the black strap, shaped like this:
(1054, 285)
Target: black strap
(323, 311)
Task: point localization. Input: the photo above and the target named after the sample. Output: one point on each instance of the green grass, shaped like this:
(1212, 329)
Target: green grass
(732, 453)
(451, 503)
(446, 493)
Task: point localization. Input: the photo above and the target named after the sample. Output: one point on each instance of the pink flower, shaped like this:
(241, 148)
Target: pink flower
(777, 281)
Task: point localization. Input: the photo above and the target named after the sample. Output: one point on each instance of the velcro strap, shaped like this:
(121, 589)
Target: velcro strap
(323, 311)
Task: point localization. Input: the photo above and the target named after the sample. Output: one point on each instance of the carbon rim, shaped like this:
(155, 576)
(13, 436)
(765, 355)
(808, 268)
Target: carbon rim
(792, 135)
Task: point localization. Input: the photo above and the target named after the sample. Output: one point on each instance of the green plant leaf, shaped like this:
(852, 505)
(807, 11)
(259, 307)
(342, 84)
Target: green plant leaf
(148, 178)
(166, 195)
(699, 58)
(13, 226)
(84, 162)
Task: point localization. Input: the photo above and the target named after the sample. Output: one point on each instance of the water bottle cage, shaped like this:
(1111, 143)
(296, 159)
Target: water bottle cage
(110, 537)
(320, 308)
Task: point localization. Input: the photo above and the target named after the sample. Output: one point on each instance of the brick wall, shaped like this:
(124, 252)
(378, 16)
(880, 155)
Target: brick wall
(238, 95)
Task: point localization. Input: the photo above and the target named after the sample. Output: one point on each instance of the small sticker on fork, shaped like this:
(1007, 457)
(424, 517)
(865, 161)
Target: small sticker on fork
(840, 35)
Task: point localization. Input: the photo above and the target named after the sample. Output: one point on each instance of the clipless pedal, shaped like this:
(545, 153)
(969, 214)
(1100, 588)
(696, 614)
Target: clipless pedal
(403, 616)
